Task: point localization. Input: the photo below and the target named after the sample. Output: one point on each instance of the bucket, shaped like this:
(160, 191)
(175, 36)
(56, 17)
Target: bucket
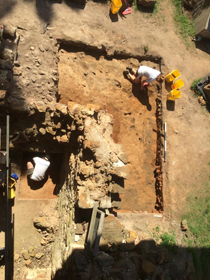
(172, 76)
(11, 188)
(11, 193)
(115, 6)
(174, 94)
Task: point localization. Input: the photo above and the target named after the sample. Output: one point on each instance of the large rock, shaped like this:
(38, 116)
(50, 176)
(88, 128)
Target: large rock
(4, 64)
(147, 3)
(2, 94)
(104, 259)
(148, 267)
(9, 31)
(80, 261)
(42, 223)
(112, 230)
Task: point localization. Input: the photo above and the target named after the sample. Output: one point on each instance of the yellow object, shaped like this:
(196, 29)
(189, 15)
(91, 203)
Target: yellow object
(115, 6)
(178, 84)
(11, 188)
(174, 94)
(11, 193)
(172, 76)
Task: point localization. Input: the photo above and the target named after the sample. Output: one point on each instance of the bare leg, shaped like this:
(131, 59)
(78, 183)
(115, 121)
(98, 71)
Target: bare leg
(134, 79)
(29, 165)
(131, 70)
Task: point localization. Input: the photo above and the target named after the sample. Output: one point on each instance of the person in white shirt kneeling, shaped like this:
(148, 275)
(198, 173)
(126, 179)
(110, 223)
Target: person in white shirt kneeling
(37, 171)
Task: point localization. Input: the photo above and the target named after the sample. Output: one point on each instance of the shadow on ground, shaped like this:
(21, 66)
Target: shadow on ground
(146, 260)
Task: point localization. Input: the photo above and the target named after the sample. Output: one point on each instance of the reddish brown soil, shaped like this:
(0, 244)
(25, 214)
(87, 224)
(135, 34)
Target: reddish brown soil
(85, 79)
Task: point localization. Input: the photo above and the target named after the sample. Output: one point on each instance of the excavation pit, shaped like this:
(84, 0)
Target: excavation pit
(48, 188)
(87, 77)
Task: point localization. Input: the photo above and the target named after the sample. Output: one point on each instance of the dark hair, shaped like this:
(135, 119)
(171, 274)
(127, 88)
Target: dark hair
(47, 157)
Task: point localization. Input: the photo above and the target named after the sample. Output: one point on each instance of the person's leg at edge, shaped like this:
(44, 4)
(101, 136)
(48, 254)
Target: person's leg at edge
(30, 168)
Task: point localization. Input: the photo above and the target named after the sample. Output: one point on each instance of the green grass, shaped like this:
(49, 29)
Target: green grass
(185, 25)
(194, 88)
(168, 239)
(198, 217)
(155, 10)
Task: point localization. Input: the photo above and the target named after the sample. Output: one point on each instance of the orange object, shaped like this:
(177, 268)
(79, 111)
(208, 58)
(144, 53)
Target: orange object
(178, 84)
(115, 6)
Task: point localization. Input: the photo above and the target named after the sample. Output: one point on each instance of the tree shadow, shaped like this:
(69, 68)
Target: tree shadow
(6, 7)
(44, 10)
(146, 260)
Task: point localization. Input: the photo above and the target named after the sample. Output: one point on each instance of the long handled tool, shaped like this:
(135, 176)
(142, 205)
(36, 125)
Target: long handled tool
(165, 141)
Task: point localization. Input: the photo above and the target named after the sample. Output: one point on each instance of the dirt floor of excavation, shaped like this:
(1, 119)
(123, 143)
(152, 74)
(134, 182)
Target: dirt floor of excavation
(85, 79)
(45, 189)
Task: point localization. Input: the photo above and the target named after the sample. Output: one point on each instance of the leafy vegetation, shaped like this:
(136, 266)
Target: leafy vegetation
(194, 88)
(168, 239)
(155, 10)
(186, 26)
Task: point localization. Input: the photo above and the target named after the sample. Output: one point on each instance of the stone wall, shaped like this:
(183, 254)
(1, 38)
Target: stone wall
(85, 133)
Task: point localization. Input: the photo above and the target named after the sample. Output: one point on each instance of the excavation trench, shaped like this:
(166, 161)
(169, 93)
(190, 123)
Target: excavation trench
(104, 136)
(92, 75)
(93, 78)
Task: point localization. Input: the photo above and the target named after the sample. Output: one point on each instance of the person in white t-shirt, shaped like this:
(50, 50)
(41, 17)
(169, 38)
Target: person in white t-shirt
(37, 171)
(143, 75)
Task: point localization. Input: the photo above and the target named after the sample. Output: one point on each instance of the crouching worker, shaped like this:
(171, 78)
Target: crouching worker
(37, 172)
(150, 75)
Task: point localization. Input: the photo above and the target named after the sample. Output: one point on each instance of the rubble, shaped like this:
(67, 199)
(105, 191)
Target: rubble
(98, 161)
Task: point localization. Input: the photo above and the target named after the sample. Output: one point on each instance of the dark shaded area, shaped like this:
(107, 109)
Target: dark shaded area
(74, 47)
(10, 233)
(119, 180)
(76, 4)
(113, 17)
(6, 7)
(168, 86)
(44, 10)
(203, 45)
(70, 45)
(170, 105)
(146, 10)
(82, 215)
(142, 96)
(88, 155)
(146, 260)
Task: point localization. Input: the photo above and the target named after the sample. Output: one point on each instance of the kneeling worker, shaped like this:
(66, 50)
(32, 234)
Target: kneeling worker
(37, 172)
(144, 71)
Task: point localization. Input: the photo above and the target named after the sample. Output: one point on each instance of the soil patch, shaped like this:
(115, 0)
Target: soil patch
(84, 78)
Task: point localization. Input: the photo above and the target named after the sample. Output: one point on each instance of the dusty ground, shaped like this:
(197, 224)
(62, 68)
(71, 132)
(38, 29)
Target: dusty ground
(188, 130)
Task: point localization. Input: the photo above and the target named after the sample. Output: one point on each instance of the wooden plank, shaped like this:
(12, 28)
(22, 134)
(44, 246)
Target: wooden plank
(202, 22)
